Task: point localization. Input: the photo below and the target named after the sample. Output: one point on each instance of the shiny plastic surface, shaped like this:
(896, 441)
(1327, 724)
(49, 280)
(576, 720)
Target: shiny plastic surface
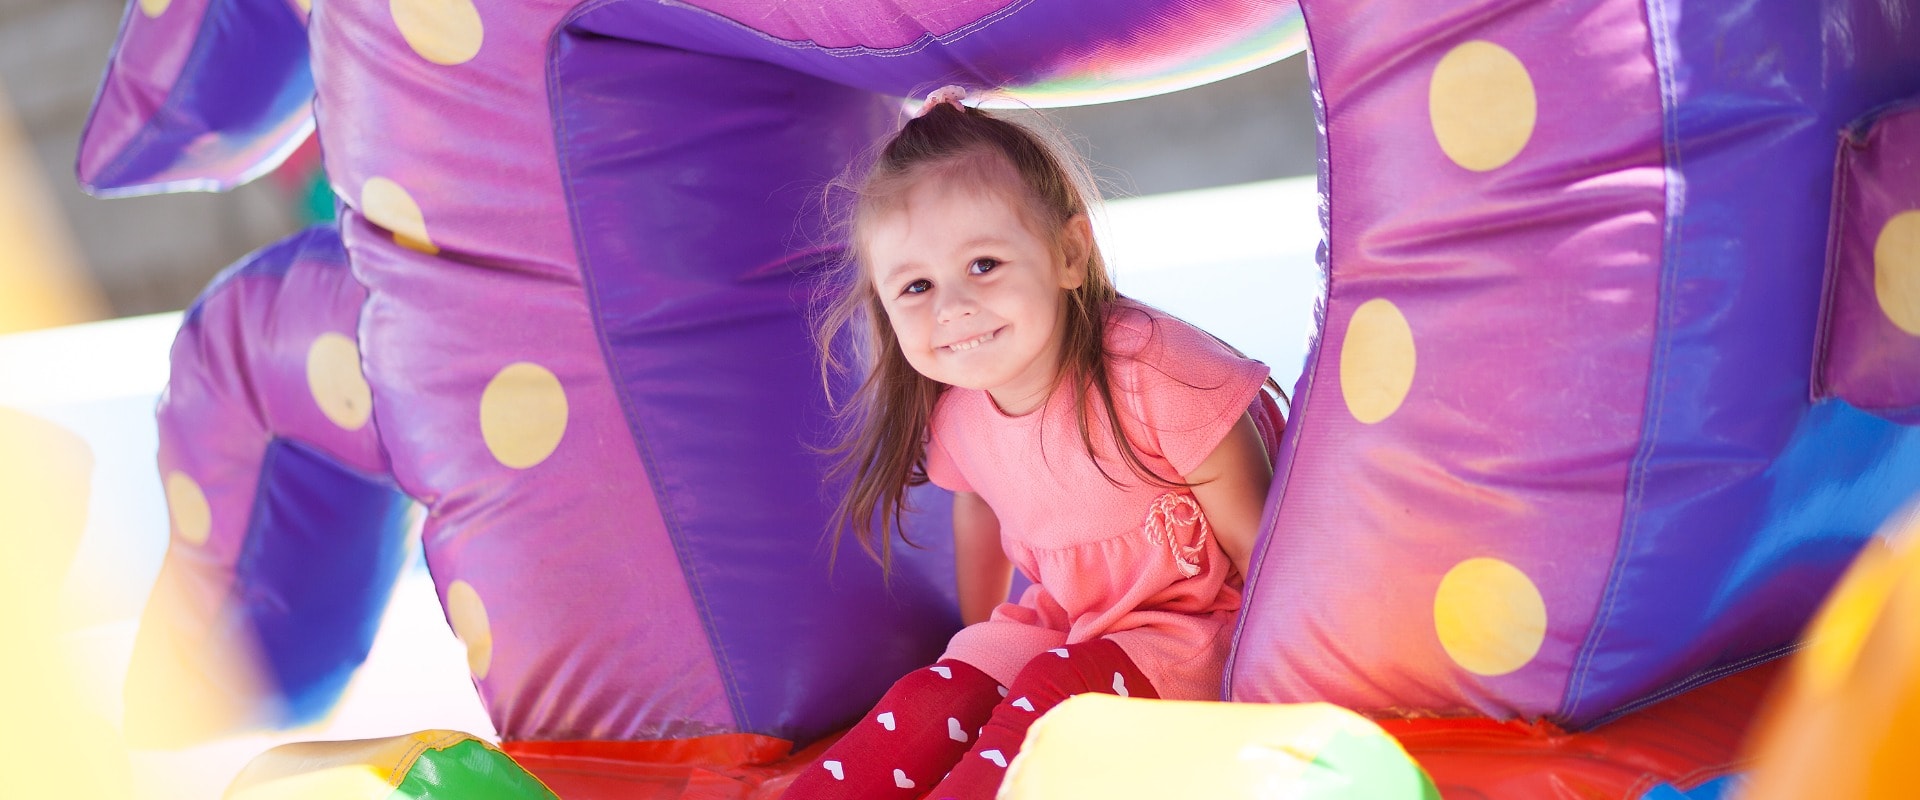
(427, 765)
(1684, 741)
(287, 533)
(1870, 321)
(1553, 456)
(199, 95)
(1847, 721)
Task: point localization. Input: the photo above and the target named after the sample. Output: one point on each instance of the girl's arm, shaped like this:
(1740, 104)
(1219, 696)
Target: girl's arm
(981, 569)
(1231, 486)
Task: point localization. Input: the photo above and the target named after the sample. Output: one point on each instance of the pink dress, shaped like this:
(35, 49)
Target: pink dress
(1128, 562)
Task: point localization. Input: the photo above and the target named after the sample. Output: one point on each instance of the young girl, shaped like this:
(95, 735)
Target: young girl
(1117, 456)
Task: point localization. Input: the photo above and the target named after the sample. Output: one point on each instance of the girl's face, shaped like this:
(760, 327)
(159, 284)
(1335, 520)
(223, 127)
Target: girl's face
(975, 296)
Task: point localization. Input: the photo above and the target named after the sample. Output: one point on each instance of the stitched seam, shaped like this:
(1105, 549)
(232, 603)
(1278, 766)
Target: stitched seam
(1817, 389)
(923, 42)
(404, 764)
(1707, 772)
(1648, 780)
(1663, 48)
(695, 591)
(244, 571)
(1124, 535)
(405, 760)
(1695, 681)
(1290, 436)
(1913, 408)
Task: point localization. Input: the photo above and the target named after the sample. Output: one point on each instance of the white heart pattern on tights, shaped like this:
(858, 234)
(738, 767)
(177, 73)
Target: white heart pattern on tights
(839, 772)
(943, 671)
(1120, 685)
(1023, 703)
(995, 757)
(1003, 690)
(901, 780)
(1059, 651)
(886, 720)
(953, 730)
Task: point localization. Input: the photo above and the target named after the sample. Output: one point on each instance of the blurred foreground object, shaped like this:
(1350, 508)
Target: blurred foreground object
(428, 765)
(1847, 723)
(1114, 748)
(1096, 745)
(50, 744)
(42, 283)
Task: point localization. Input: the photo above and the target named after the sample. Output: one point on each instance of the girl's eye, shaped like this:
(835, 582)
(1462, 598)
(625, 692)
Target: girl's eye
(982, 266)
(917, 287)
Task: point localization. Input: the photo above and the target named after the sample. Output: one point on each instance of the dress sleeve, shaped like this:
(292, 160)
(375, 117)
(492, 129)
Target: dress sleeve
(941, 468)
(1186, 390)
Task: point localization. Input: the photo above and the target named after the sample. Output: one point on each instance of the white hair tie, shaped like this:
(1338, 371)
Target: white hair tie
(946, 94)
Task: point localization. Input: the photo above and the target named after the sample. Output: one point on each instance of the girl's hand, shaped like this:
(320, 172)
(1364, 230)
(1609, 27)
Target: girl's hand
(1231, 486)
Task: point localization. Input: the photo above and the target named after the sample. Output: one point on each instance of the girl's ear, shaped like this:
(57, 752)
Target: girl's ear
(1076, 244)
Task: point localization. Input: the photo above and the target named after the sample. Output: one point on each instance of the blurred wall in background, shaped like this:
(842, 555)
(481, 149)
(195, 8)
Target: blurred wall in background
(41, 281)
(146, 254)
(152, 254)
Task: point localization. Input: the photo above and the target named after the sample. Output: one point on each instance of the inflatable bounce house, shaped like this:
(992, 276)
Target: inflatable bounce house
(1620, 332)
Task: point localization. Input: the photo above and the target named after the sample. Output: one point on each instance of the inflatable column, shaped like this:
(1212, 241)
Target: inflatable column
(198, 95)
(287, 530)
(1554, 453)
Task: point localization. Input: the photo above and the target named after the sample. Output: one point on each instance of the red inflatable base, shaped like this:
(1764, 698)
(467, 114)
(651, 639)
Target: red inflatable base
(731, 767)
(1686, 740)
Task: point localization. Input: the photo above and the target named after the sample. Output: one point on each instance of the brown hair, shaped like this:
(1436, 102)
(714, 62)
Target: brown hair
(885, 426)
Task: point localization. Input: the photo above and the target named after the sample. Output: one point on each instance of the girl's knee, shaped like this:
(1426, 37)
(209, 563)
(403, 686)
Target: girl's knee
(1097, 665)
(946, 679)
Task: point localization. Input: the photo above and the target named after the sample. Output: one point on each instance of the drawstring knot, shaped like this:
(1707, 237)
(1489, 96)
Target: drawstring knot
(1178, 510)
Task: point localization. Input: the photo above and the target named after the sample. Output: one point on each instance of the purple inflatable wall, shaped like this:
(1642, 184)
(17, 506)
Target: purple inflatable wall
(1553, 455)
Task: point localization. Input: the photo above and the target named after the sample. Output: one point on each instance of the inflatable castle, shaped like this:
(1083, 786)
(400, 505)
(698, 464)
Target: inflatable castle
(1619, 339)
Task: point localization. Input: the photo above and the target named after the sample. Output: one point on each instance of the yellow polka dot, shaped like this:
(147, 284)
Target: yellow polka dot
(306, 6)
(469, 618)
(523, 414)
(333, 375)
(1840, 630)
(1482, 105)
(442, 31)
(154, 8)
(1490, 616)
(1376, 361)
(192, 517)
(389, 206)
(1896, 270)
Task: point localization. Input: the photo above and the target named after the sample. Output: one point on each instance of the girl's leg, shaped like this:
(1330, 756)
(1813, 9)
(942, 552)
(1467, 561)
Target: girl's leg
(912, 737)
(1094, 666)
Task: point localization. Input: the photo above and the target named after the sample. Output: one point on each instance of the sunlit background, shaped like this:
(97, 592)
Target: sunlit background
(1218, 210)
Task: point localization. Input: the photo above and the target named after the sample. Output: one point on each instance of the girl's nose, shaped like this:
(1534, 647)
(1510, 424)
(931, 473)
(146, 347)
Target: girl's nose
(955, 304)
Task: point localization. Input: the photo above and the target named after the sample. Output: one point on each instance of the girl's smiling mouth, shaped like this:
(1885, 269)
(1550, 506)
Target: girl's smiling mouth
(961, 347)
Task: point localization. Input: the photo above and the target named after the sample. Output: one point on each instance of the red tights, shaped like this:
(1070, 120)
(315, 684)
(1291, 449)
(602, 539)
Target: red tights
(948, 731)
